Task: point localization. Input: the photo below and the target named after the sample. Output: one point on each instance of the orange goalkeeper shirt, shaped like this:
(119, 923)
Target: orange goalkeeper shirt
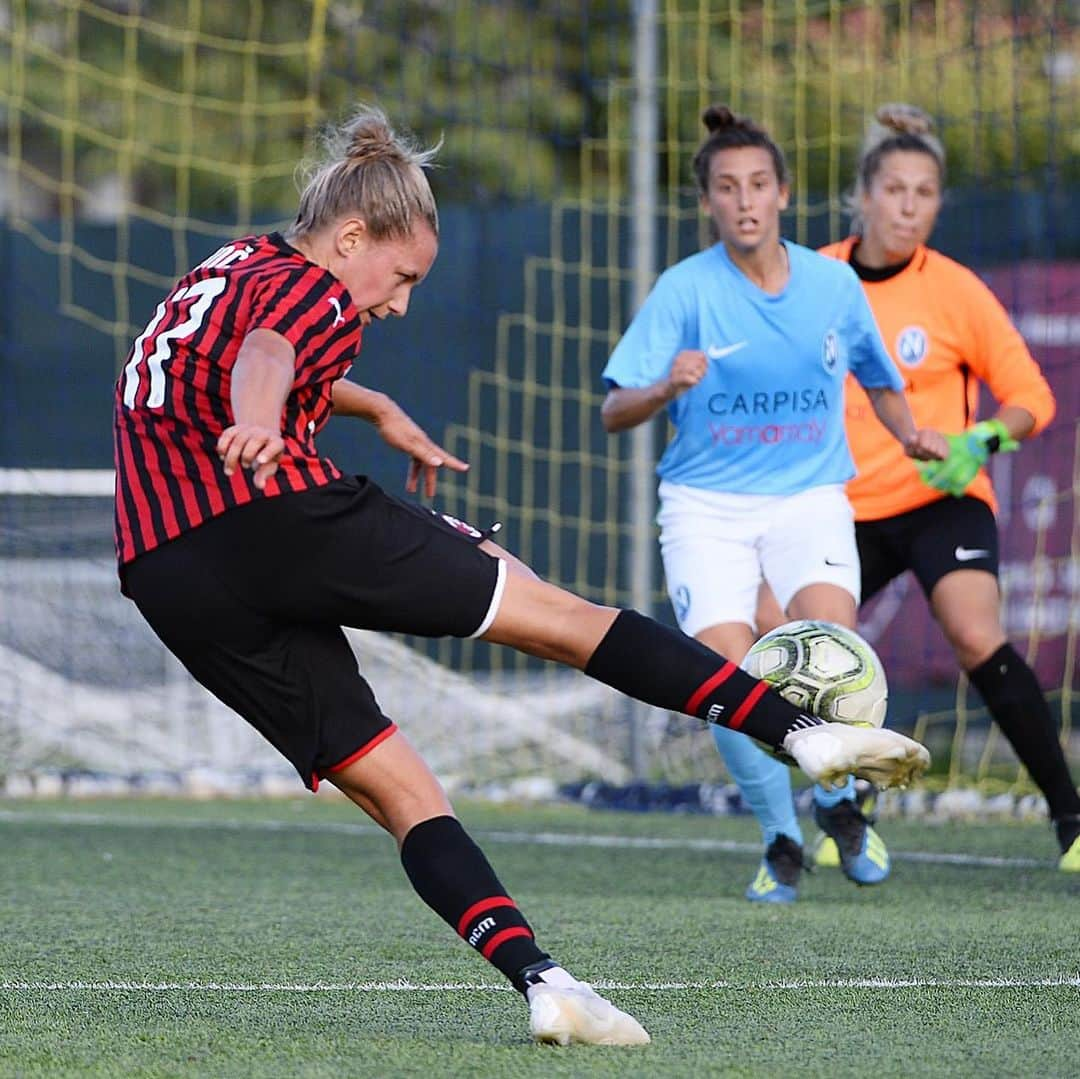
(947, 333)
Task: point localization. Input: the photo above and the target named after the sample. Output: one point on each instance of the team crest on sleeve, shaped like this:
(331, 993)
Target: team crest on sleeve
(911, 345)
(462, 526)
(830, 351)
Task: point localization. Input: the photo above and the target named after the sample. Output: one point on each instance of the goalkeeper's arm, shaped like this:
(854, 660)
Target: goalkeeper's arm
(1017, 421)
(971, 449)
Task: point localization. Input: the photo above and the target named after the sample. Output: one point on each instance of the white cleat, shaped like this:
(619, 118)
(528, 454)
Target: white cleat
(559, 1015)
(831, 751)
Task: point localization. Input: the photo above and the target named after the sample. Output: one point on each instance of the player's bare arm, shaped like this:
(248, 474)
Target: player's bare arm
(891, 407)
(399, 430)
(626, 407)
(361, 402)
(261, 380)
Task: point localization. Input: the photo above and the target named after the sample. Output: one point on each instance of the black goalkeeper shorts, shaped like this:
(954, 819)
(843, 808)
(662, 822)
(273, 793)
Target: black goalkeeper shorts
(252, 603)
(931, 541)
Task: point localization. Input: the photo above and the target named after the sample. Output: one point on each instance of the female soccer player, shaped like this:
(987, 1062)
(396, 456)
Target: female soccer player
(246, 551)
(747, 345)
(947, 333)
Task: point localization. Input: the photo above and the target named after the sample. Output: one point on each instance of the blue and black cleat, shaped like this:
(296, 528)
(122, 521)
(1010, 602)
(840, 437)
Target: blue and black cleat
(777, 879)
(851, 843)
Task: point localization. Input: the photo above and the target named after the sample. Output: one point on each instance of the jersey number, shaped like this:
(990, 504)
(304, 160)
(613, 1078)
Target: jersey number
(203, 293)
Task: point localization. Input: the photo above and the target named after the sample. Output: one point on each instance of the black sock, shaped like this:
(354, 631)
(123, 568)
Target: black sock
(451, 874)
(1015, 700)
(668, 669)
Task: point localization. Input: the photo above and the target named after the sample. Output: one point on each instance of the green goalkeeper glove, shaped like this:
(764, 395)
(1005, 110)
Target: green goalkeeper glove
(968, 452)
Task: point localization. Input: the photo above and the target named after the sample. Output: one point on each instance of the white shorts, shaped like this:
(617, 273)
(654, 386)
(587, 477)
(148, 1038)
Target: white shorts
(718, 548)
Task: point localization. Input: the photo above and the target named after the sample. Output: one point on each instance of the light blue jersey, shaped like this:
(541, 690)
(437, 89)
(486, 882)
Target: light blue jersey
(768, 417)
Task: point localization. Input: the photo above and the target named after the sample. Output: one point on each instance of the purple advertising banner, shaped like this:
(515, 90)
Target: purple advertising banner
(1039, 511)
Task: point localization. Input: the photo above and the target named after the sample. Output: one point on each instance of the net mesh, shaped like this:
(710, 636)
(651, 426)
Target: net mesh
(89, 689)
(140, 136)
(811, 73)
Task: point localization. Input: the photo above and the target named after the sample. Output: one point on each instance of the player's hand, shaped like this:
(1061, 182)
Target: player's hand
(248, 445)
(687, 370)
(968, 452)
(926, 444)
(426, 457)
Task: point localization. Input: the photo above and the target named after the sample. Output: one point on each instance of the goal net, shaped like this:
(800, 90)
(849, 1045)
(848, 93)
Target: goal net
(88, 692)
(140, 136)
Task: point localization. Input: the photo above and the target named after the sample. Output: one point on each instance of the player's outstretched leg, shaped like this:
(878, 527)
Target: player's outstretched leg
(829, 752)
(668, 669)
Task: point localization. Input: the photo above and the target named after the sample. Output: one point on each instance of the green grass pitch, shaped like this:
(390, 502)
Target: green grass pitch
(281, 939)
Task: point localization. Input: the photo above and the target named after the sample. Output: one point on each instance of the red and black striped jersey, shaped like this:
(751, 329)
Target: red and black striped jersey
(173, 395)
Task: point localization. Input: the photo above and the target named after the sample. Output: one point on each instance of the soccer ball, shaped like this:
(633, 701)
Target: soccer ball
(823, 668)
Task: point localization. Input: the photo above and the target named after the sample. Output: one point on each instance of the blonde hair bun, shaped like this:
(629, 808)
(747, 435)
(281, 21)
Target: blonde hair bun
(904, 119)
(368, 137)
(895, 126)
(367, 169)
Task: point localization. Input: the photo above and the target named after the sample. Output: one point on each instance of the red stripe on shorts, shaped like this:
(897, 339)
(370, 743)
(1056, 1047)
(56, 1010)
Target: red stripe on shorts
(361, 752)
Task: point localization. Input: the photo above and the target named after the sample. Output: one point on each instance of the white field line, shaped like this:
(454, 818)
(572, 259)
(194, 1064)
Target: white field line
(1071, 981)
(548, 839)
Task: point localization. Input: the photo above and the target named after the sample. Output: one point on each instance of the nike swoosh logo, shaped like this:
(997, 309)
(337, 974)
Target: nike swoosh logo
(715, 352)
(830, 562)
(966, 554)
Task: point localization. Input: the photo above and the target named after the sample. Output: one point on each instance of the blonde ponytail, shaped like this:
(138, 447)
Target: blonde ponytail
(367, 169)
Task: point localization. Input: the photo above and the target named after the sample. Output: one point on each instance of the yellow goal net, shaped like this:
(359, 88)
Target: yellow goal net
(138, 136)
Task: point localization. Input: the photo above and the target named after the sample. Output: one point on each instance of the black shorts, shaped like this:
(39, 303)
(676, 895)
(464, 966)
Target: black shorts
(252, 603)
(931, 541)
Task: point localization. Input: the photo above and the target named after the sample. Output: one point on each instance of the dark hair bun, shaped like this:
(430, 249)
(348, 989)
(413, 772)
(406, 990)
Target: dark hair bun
(716, 117)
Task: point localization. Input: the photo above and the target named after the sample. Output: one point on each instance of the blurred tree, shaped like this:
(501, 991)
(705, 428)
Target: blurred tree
(189, 108)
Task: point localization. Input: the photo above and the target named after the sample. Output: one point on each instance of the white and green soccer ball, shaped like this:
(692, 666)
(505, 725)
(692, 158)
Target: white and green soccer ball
(823, 668)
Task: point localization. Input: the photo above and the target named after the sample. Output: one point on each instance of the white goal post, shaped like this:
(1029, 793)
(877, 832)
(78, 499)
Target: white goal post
(86, 687)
